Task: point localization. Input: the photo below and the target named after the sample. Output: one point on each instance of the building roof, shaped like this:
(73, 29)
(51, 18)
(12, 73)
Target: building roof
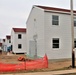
(8, 37)
(53, 8)
(0, 44)
(19, 29)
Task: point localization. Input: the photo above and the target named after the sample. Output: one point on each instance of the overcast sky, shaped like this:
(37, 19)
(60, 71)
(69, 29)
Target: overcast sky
(14, 13)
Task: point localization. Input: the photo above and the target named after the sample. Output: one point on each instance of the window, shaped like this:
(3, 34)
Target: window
(19, 46)
(75, 21)
(9, 41)
(55, 20)
(55, 42)
(74, 43)
(19, 36)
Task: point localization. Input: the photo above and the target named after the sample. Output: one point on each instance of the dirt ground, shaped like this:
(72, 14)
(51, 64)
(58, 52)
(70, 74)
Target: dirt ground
(60, 64)
(53, 64)
(11, 58)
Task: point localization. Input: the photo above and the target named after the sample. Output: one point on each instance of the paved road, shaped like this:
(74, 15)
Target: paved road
(46, 73)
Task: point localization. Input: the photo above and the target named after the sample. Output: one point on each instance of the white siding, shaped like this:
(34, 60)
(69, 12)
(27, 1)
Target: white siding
(15, 41)
(4, 46)
(7, 44)
(1, 40)
(36, 27)
(63, 32)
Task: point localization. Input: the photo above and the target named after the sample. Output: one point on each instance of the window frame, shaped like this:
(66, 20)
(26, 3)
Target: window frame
(19, 36)
(55, 43)
(55, 21)
(19, 46)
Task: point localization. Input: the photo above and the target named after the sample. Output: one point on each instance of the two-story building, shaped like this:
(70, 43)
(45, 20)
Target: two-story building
(7, 42)
(49, 32)
(18, 40)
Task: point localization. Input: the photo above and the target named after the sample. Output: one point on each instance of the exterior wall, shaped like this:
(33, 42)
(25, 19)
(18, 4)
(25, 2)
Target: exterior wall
(1, 41)
(46, 32)
(4, 46)
(16, 41)
(0, 47)
(7, 44)
(12, 39)
(35, 26)
(7, 41)
(63, 32)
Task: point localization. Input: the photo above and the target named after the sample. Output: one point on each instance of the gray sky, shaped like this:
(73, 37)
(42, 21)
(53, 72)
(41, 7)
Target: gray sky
(14, 13)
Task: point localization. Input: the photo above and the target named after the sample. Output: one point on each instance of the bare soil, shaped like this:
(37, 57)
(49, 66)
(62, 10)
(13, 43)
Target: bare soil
(11, 58)
(63, 64)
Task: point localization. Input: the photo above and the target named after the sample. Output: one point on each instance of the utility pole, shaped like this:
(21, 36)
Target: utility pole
(72, 33)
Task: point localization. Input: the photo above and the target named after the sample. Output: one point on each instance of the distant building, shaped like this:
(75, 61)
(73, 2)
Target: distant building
(7, 42)
(4, 45)
(18, 40)
(49, 32)
(0, 46)
(1, 40)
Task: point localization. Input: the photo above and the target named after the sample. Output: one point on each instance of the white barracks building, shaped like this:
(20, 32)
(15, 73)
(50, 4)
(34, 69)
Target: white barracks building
(49, 32)
(18, 40)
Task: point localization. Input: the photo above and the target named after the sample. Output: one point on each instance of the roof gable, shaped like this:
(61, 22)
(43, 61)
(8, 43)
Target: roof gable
(19, 29)
(8, 37)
